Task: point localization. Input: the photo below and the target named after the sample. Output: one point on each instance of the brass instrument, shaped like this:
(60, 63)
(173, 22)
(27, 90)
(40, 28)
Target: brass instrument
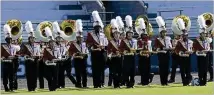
(79, 55)
(149, 28)
(108, 32)
(200, 53)
(185, 54)
(32, 58)
(175, 28)
(52, 62)
(209, 20)
(40, 33)
(8, 59)
(69, 29)
(16, 28)
(130, 52)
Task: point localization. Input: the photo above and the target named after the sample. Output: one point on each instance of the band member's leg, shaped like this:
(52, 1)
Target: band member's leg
(109, 63)
(84, 73)
(67, 67)
(122, 78)
(77, 65)
(202, 70)
(28, 74)
(41, 74)
(132, 74)
(210, 65)
(163, 67)
(182, 70)
(61, 76)
(6, 71)
(205, 67)
(48, 76)
(96, 72)
(174, 67)
(146, 70)
(16, 67)
(54, 77)
(115, 66)
(140, 68)
(188, 70)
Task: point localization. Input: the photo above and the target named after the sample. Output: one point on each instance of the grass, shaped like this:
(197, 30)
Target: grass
(152, 89)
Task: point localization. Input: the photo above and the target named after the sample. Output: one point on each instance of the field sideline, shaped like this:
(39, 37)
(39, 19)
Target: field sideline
(152, 89)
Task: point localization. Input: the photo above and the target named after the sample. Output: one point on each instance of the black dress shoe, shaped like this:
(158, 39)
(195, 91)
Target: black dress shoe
(171, 81)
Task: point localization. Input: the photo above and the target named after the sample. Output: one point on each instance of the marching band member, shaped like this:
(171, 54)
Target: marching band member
(64, 64)
(79, 52)
(97, 43)
(210, 56)
(162, 45)
(175, 58)
(145, 47)
(114, 54)
(31, 52)
(184, 50)
(41, 66)
(9, 60)
(202, 46)
(51, 56)
(128, 47)
(122, 37)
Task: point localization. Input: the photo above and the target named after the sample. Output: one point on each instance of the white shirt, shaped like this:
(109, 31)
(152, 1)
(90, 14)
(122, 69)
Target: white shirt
(167, 42)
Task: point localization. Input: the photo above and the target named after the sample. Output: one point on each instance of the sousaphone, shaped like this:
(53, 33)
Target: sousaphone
(149, 29)
(108, 32)
(209, 17)
(175, 29)
(40, 31)
(16, 28)
(69, 29)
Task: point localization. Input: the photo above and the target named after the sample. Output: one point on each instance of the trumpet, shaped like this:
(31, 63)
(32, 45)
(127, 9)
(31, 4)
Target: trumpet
(80, 55)
(131, 52)
(31, 57)
(53, 62)
(65, 57)
(201, 53)
(185, 54)
(117, 54)
(8, 59)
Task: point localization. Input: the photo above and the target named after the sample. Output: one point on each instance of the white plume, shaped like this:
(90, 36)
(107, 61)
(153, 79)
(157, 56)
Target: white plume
(142, 23)
(56, 27)
(120, 22)
(160, 21)
(114, 23)
(96, 17)
(7, 30)
(48, 32)
(28, 27)
(79, 25)
(201, 21)
(128, 20)
(181, 24)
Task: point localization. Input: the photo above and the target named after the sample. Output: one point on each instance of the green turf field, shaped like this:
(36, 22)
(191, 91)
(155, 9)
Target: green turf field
(152, 89)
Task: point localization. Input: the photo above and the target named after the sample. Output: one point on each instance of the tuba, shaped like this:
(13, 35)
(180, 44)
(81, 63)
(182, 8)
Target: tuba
(108, 32)
(69, 29)
(40, 31)
(209, 17)
(149, 29)
(176, 30)
(16, 28)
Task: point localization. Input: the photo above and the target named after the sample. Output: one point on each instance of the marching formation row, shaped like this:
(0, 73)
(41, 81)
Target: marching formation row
(58, 45)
